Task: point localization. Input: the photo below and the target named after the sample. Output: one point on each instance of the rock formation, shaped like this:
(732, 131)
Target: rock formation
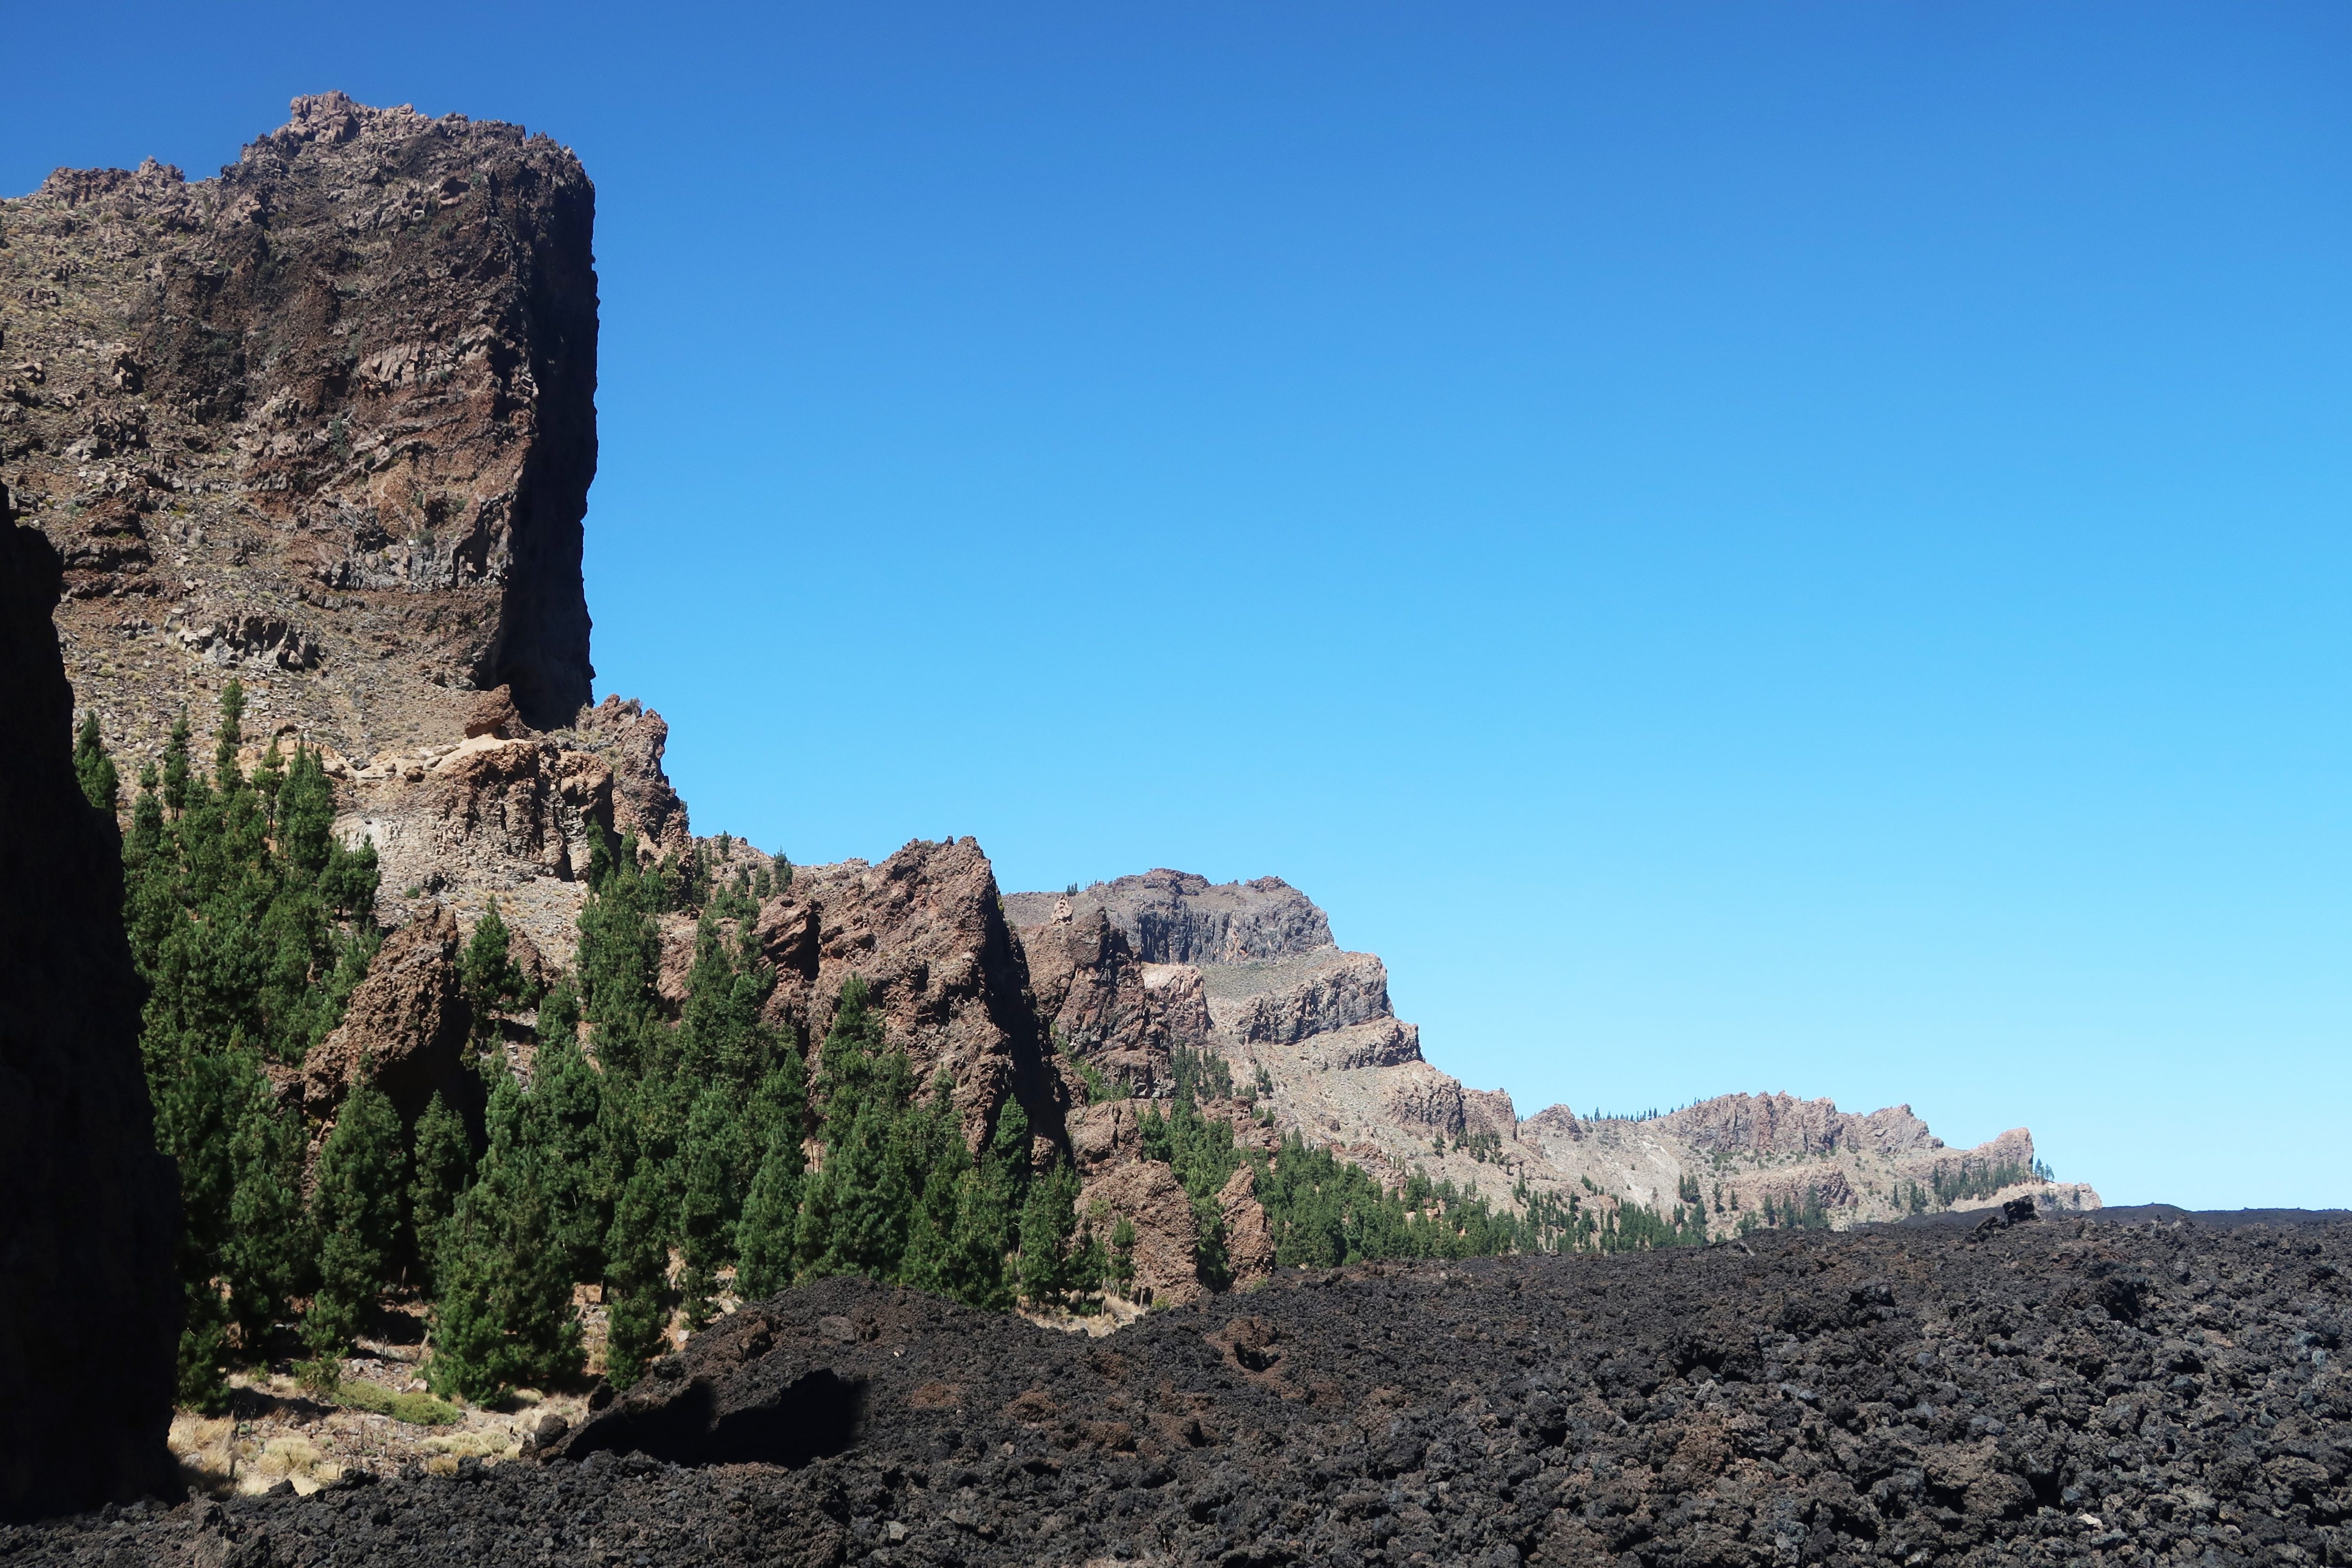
(925, 931)
(326, 424)
(1288, 1007)
(90, 1309)
(407, 1022)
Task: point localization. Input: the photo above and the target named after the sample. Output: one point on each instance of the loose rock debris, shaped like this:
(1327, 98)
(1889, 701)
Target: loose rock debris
(2045, 1393)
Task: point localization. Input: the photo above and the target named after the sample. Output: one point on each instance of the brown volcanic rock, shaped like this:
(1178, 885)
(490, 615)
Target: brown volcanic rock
(1176, 917)
(408, 1019)
(1118, 1012)
(1783, 1124)
(1167, 1236)
(89, 1308)
(631, 741)
(925, 931)
(325, 422)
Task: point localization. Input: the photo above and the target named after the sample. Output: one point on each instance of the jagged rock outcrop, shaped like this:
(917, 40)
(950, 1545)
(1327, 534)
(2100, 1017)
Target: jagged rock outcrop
(1176, 917)
(1122, 1015)
(1783, 1124)
(406, 1023)
(89, 1305)
(925, 931)
(326, 423)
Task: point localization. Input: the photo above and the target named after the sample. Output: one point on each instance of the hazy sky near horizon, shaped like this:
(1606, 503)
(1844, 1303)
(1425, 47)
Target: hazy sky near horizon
(1797, 547)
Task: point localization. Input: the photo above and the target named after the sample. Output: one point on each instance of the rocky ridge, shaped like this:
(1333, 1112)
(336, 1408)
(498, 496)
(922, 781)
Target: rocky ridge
(1287, 1007)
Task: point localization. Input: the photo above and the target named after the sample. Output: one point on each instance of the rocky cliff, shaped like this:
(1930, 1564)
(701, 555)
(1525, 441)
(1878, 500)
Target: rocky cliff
(90, 1312)
(326, 423)
(1290, 1009)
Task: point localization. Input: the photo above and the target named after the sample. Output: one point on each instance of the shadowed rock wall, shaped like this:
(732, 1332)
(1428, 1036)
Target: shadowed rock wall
(89, 1317)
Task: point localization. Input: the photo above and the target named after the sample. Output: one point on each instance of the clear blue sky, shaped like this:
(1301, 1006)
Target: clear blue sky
(1739, 547)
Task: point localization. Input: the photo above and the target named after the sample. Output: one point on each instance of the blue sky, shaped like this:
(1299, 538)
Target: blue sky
(1797, 547)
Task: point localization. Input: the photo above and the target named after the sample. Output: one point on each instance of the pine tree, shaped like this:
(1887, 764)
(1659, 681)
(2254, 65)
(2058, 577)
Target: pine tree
(855, 1207)
(266, 1259)
(443, 1164)
(177, 776)
(710, 1196)
(765, 1232)
(487, 976)
(637, 1276)
(1121, 1271)
(504, 1317)
(937, 1162)
(571, 1102)
(355, 1213)
(1049, 1219)
(620, 957)
(100, 785)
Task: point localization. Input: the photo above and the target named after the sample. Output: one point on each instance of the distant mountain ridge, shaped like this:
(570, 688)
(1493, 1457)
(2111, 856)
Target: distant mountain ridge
(1282, 999)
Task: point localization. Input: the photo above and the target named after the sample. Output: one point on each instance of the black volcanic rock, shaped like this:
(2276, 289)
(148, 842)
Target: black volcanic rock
(2062, 1392)
(89, 1312)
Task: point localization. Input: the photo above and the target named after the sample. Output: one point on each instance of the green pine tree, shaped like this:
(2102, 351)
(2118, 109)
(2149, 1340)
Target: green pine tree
(934, 1155)
(100, 785)
(1049, 1223)
(266, 1259)
(487, 975)
(443, 1164)
(857, 1205)
(710, 1196)
(765, 1232)
(504, 1318)
(638, 1278)
(355, 1213)
(570, 1120)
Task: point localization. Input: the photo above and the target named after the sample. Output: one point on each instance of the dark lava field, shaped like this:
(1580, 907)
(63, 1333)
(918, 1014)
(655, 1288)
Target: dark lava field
(2058, 1391)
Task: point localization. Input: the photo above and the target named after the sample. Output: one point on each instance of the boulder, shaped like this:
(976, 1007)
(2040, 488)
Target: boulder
(408, 1021)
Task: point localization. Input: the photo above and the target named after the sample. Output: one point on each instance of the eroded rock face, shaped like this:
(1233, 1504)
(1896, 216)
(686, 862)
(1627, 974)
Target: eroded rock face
(925, 932)
(1308, 1027)
(1119, 1014)
(325, 422)
(406, 1022)
(90, 1309)
(1176, 917)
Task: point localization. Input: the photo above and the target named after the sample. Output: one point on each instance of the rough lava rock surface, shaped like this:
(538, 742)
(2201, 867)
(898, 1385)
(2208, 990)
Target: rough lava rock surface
(2062, 1392)
(89, 1308)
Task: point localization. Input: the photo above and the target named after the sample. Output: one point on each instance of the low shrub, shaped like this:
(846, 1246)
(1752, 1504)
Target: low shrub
(416, 1409)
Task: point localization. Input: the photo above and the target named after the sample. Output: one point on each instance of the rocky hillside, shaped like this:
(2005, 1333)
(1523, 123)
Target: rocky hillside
(1249, 969)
